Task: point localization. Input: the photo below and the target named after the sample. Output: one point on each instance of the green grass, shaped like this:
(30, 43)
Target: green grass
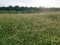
(30, 29)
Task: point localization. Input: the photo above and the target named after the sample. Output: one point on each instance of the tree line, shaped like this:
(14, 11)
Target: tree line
(22, 9)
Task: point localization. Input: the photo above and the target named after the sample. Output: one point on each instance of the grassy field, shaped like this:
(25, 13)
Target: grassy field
(30, 29)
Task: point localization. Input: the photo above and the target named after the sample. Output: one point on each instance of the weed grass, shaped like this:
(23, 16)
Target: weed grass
(30, 29)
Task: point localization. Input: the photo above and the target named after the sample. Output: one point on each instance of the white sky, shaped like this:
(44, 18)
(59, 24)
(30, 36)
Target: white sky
(34, 3)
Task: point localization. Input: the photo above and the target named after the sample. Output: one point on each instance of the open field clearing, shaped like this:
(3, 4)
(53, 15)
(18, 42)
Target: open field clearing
(30, 29)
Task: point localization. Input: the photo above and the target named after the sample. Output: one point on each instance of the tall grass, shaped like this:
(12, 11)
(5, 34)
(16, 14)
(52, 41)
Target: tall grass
(30, 29)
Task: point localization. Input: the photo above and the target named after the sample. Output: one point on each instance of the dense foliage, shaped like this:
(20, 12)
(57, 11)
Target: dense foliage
(17, 9)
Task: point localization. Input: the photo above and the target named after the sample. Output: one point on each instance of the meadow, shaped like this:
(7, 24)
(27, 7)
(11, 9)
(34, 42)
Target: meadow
(30, 29)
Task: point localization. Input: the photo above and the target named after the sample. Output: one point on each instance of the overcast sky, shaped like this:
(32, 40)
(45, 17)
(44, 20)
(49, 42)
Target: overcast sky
(34, 3)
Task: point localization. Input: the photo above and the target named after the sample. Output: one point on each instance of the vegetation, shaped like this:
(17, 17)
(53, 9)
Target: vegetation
(17, 9)
(30, 29)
